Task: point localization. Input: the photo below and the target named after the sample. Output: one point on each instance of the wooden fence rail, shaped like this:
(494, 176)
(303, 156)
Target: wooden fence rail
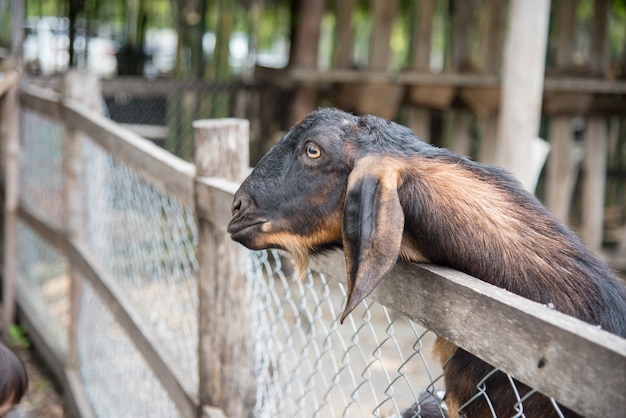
(579, 365)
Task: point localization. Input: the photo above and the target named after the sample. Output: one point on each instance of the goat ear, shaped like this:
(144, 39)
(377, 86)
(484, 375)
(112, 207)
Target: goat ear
(373, 222)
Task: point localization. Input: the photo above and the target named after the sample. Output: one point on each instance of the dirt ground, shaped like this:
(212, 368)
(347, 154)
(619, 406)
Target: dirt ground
(43, 399)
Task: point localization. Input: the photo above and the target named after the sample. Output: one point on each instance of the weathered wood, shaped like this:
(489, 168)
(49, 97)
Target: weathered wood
(212, 412)
(288, 77)
(11, 130)
(169, 173)
(552, 350)
(84, 88)
(463, 16)
(522, 84)
(566, 103)
(483, 101)
(596, 141)
(599, 57)
(344, 34)
(383, 14)
(488, 139)
(435, 97)
(163, 170)
(136, 327)
(8, 80)
(41, 100)
(214, 197)
(594, 182)
(565, 37)
(304, 55)
(381, 99)
(226, 351)
(562, 167)
(418, 118)
(460, 139)
(53, 234)
(490, 44)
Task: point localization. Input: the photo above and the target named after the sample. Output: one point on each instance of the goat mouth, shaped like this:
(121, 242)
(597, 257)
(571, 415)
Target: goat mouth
(245, 232)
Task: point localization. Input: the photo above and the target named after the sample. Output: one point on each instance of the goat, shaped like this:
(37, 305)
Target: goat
(373, 189)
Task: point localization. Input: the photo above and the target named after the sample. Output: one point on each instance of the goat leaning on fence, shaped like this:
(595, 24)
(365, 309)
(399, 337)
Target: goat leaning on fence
(371, 187)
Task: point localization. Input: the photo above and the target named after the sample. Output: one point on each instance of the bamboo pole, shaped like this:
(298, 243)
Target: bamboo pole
(225, 357)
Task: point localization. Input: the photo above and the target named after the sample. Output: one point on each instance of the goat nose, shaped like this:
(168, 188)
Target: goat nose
(240, 205)
(236, 207)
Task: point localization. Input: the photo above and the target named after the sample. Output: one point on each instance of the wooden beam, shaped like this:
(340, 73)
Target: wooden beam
(163, 170)
(53, 234)
(543, 348)
(41, 100)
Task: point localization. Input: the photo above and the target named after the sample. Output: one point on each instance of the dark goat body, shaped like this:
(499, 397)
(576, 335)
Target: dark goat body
(371, 187)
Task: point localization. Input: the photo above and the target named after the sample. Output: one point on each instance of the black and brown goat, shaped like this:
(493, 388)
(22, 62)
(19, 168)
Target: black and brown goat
(371, 187)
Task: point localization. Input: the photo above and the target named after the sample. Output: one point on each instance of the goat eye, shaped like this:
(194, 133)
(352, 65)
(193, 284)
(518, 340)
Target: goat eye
(313, 151)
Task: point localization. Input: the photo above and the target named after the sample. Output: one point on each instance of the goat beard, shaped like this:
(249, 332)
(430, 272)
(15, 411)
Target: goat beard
(301, 258)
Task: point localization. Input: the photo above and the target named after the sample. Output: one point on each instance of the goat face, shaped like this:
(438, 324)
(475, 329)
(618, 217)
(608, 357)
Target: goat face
(317, 190)
(292, 200)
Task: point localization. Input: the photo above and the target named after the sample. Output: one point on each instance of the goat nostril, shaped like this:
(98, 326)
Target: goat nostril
(236, 207)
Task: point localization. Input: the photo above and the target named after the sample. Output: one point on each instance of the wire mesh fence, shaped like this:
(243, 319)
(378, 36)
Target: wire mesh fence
(164, 110)
(377, 364)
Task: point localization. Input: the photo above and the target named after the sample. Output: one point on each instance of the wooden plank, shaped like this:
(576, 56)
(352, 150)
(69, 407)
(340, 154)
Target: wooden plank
(140, 87)
(288, 77)
(581, 366)
(163, 170)
(41, 100)
(52, 233)
(8, 80)
(214, 199)
(136, 327)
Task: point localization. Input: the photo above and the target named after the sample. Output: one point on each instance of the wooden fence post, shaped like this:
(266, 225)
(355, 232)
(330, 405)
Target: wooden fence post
(226, 380)
(84, 88)
(11, 130)
(11, 117)
(523, 71)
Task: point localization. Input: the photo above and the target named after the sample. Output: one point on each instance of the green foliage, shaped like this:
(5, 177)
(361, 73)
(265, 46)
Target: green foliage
(17, 336)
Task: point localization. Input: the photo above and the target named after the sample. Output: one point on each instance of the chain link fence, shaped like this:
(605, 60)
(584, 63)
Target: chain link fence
(378, 363)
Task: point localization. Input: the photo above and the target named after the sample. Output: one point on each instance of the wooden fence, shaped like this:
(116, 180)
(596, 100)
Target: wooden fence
(582, 367)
